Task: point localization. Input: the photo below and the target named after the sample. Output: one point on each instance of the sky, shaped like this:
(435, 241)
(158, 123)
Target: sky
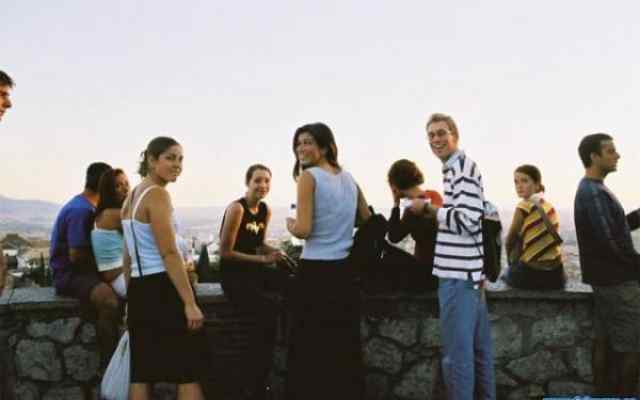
(232, 80)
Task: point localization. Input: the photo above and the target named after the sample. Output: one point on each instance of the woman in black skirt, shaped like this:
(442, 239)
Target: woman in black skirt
(325, 357)
(250, 271)
(166, 339)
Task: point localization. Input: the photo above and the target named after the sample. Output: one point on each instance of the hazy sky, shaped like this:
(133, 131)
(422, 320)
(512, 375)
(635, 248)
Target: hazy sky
(232, 80)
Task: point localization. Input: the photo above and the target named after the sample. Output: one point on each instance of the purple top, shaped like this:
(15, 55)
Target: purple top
(72, 229)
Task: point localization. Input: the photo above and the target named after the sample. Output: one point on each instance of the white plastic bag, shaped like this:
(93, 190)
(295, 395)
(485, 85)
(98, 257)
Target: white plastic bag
(115, 383)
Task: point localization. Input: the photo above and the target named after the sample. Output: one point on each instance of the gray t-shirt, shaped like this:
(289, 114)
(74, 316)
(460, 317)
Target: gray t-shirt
(334, 213)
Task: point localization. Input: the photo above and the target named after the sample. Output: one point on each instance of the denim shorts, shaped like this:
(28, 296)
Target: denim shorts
(617, 315)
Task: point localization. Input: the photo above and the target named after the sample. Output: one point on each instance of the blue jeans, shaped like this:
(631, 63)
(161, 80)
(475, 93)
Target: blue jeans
(467, 347)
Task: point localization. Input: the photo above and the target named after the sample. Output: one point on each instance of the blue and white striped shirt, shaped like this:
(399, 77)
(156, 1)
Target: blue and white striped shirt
(459, 252)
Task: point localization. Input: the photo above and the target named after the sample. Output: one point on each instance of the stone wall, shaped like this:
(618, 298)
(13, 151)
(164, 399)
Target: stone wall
(542, 344)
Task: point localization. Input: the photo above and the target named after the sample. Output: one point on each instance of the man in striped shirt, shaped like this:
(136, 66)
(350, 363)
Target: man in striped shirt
(467, 348)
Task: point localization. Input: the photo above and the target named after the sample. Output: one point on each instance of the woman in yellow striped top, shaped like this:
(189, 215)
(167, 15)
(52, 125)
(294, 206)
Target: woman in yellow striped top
(533, 244)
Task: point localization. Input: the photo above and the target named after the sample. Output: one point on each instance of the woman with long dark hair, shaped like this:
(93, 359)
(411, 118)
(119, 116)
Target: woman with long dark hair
(106, 237)
(324, 358)
(249, 272)
(167, 343)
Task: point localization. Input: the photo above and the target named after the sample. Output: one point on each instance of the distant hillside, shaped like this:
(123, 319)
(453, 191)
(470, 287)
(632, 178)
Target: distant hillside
(35, 218)
(25, 209)
(26, 216)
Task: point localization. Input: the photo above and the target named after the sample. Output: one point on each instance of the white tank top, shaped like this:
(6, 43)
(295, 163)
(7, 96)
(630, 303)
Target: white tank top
(150, 258)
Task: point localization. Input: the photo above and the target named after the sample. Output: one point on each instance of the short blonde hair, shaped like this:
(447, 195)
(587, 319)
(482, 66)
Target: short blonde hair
(439, 117)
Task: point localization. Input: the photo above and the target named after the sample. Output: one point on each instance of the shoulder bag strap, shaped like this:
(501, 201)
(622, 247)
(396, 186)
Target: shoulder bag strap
(552, 231)
(133, 229)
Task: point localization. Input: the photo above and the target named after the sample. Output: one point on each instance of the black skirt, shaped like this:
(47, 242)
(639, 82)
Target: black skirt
(162, 348)
(259, 291)
(325, 357)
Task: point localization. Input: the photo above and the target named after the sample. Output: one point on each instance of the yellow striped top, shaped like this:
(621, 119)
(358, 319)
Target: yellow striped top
(537, 243)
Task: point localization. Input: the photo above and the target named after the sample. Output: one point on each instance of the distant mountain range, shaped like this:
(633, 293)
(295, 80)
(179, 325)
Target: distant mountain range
(26, 216)
(36, 217)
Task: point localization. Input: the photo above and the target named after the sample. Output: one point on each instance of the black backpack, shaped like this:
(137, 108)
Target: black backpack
(492, 243)
(369, 242)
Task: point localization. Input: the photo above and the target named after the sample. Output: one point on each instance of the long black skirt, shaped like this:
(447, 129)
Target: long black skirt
(261, 291)
(325, 356)
(162, 348)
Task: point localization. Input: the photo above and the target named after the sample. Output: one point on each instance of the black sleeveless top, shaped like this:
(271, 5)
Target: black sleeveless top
(252, 228)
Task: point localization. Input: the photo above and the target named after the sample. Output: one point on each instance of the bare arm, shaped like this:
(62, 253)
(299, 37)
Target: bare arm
(159, 210)
(363, 212)
(301, 226)
(126, 264)
(230, 228)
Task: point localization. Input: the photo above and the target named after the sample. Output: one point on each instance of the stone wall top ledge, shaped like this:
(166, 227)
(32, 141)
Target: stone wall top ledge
(33, 299)
(574, 291)
(28, 299)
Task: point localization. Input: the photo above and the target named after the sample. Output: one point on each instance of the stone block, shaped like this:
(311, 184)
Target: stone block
(419, 353)
(430, 336)
(376, 386)
(364, 330)
(580, 360)
(73, 393)
(61, 330)
(558, 331)
(526, 392)
(403, 331)
(538, 368)
(40, 299)
(533, 309)
(277, 387)
(13, 339)
(566, 388)
(507, 338)
(27, 391)
(418, 383)
(88, 334)
(38, 361)
(382, 354)
(81, 364)
(280, 359)
(502, 379)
